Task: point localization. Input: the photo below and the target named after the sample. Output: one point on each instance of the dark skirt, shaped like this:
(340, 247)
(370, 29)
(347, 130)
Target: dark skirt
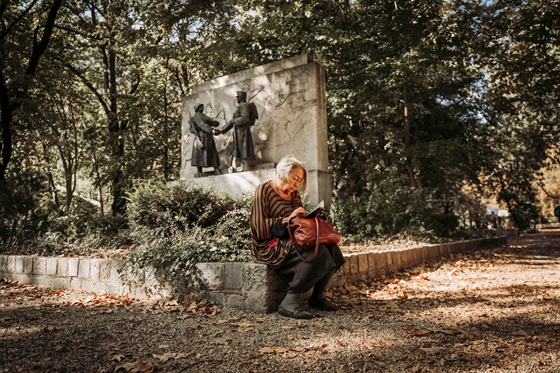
(301, 276)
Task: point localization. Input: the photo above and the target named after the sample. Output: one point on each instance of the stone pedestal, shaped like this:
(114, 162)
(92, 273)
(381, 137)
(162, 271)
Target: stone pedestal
(290, 98)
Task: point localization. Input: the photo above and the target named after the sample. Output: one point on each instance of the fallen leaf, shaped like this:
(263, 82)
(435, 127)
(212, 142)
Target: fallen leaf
(447, 331)
(126, 366)
(417, 332)
(273, 350)
(165, 357)
(51, 328)
(456, 271)
(390, 306)
(222, 341)
(117, 357)
(432, 350)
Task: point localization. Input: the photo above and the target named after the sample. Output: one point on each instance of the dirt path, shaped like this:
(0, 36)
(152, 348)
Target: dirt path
(492, 311)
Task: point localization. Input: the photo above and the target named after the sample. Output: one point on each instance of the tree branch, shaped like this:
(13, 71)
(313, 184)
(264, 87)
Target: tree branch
(90, 86)
(40, 49)
(23, 14)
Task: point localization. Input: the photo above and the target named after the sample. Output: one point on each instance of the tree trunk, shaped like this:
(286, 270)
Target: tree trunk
(8, 108)
(6, 119)
(411, 177)
(116, 130)
(50, 178)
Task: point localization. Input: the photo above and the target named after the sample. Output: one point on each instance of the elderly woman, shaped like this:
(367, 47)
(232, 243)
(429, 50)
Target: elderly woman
(275, 202)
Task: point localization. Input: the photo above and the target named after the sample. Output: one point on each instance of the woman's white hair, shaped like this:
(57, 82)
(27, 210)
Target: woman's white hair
(286, 165)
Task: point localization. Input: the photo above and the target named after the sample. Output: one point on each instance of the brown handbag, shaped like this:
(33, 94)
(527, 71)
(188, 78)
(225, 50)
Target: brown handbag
(305, 233)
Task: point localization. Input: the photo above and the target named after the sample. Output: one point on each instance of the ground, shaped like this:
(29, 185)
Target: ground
(490, 311)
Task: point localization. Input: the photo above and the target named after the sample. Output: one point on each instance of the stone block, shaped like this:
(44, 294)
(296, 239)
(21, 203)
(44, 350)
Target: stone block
(257, 278)
(363, 265)
(255, 303)
(62, 269)
(87, 285)
(75, 283)
(73, 267)
(18, 263)
(114, 288)
(28, 264)
(94, 269)
(431, 253)
(45, 281)
(388, 258)
(425, 253)
(52, 265)
(83, 268)
(219, 298)
(233, 275)
(40, 265)
(100, 287)
(413, 257)
(377, 261)
(61, 283)
(352, 263)
(211, 275)
(235, 301)
(105, 270)
(444, 250)
(34, 280)
(21, 278)
(396, 260)
(116, 268)
(11, 264)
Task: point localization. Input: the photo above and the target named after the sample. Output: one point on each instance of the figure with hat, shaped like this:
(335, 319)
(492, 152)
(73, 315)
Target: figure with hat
(241, 149)
(204, 151)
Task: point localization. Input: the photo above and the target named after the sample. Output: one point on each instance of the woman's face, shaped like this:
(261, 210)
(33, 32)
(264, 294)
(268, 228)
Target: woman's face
(292, 183)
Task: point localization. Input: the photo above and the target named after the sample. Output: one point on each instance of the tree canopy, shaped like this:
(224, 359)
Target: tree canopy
(431, 105)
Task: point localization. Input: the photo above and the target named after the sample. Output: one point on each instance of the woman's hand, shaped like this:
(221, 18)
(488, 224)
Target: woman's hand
(297, 212)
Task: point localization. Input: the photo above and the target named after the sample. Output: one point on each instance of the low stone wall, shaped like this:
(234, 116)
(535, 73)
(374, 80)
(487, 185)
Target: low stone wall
(248, 286)
(94, 275)
(258, 288)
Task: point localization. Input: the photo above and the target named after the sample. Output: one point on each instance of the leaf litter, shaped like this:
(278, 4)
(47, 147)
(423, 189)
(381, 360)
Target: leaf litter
(493, 310)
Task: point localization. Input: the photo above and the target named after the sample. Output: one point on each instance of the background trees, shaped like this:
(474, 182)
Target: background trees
(431, 105)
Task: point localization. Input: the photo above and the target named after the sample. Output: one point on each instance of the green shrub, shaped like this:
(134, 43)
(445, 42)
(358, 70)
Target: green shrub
(21, 214)
(387, 209)
(153, 204)
(174, 228)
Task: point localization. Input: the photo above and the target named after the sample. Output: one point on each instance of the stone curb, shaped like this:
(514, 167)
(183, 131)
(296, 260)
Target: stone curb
(248, 286)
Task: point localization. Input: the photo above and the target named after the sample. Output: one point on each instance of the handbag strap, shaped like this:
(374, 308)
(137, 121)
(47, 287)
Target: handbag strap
(297, 247)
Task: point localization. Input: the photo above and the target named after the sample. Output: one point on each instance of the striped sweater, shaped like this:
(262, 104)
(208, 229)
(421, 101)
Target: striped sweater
(269, 208)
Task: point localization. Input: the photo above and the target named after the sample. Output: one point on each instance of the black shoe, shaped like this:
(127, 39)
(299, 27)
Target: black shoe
(297, 314)
(217, 172)
(322, 304)
(200, 174)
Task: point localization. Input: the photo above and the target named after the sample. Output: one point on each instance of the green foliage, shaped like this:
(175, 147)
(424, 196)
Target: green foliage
(478, 82)
(174, 228)
(20, 215)
(153, 204)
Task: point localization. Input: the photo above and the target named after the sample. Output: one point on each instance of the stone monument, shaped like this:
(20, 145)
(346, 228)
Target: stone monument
(290, 97)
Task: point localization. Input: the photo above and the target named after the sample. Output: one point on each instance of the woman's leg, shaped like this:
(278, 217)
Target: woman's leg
(290, 307)
(317, 298)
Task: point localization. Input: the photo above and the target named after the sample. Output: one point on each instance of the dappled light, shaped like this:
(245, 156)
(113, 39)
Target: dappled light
(494, 310)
